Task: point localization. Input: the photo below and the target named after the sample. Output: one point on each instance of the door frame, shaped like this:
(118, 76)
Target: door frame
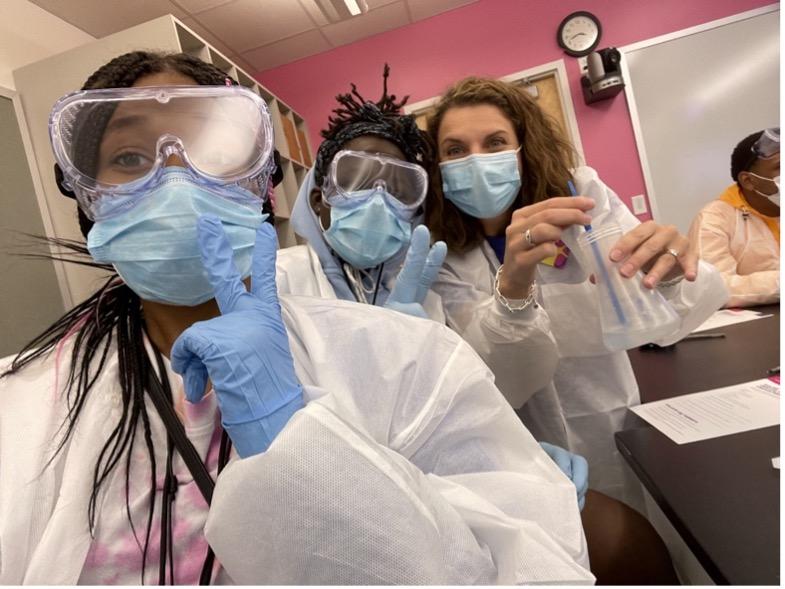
(43, 207)
(552, 68)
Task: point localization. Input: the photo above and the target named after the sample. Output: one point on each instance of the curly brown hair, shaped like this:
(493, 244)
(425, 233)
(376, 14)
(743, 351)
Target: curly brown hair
(547, 156)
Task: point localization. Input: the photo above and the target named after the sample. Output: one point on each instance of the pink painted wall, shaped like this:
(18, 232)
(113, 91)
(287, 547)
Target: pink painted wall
(496, 38)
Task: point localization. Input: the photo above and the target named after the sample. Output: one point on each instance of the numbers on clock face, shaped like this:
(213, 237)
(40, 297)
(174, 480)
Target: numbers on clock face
(579, 33)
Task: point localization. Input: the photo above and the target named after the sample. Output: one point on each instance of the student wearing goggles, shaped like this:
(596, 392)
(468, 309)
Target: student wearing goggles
(114, 145)
(144, 162)
(372, 199)
(361, 208)
(739, 232)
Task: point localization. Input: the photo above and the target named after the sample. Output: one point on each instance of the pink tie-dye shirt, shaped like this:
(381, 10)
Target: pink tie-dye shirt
(115, 556)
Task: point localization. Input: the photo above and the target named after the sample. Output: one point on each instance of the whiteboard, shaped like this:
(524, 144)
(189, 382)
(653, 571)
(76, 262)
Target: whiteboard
(693, 96)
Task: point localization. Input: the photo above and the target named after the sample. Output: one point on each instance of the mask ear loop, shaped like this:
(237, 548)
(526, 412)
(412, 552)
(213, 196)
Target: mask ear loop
(774, 179)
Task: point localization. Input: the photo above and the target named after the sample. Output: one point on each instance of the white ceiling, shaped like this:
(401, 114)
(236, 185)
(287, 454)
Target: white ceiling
(256, 34)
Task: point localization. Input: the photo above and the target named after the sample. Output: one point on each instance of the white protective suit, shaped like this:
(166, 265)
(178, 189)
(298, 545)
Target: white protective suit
(312, 272)
(406, 466)
(592, 389)
(743, 245)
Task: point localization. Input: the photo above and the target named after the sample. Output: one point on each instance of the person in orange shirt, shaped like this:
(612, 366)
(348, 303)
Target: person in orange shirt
(739, 232)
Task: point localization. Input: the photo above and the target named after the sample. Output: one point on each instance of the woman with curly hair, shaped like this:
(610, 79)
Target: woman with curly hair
(502, 199)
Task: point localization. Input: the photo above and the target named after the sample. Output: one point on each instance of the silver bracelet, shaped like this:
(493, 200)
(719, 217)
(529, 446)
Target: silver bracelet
(519, 304)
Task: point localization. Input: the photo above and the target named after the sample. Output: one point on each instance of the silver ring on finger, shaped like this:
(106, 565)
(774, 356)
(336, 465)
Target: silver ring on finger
(673, 252)
(527, 235)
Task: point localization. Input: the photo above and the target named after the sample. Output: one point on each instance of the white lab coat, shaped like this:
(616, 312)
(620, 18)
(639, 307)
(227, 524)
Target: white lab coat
(405, 466)
(592, 388)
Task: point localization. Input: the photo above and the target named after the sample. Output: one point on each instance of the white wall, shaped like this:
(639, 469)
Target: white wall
(694, 95)
(29, 33)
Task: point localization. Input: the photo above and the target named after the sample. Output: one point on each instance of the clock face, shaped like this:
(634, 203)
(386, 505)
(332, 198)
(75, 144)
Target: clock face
(579, 33)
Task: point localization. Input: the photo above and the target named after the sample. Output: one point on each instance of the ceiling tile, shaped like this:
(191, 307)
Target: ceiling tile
(312, 8)
(100, 18)
(282, 52)
(421, 9)
(208, 36)
(194, 6)
(374, 22)
(247, 24)
(373, 4)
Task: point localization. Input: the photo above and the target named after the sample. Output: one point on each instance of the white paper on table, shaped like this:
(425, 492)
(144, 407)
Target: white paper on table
(725, 317)
(720, 412)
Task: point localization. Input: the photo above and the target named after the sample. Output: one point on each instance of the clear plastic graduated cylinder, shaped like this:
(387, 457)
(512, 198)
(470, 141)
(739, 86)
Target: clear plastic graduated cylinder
(630, 313)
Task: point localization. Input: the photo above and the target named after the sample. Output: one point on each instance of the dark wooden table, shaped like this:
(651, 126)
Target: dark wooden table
(721, 495)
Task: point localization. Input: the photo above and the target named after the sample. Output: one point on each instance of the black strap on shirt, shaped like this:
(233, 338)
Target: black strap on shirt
(223, 458)
(160, 394)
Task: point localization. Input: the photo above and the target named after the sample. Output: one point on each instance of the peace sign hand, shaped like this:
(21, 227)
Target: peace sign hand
(245, 351)
(419, 270)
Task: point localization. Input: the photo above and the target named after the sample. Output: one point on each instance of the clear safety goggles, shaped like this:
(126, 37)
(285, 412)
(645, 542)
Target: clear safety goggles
(355, 175)
(111, 143)
(768, 144)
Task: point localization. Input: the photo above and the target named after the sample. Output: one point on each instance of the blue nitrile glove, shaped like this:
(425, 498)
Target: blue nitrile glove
(419, 270)
(245, 351)
(574, 466)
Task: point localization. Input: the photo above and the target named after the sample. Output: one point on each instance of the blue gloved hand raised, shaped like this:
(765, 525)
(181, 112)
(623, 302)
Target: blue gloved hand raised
(575, 467)
(245, 351)
(419, 270)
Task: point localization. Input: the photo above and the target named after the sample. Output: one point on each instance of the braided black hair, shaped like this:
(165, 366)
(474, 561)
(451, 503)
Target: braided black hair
(113, 315)
(356, 117)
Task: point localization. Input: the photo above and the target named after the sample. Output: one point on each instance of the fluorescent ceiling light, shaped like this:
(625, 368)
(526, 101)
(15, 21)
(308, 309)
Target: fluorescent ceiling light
(354, 8)
(341, 10)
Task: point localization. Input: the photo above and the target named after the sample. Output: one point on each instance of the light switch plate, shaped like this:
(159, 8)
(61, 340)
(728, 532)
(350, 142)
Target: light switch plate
(639, 204)
(583, 64)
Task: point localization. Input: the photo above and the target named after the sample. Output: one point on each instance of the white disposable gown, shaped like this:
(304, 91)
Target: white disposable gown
(592, 389)
(406, 466)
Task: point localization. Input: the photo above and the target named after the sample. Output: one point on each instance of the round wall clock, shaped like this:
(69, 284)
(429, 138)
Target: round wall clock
(579, 33)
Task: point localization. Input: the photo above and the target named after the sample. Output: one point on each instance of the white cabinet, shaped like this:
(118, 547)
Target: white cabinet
(41, 83)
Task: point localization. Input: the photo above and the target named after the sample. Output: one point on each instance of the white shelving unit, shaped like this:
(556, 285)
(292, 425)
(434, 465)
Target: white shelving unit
(41, 83)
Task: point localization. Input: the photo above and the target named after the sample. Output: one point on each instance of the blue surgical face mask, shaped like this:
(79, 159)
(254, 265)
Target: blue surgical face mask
(153, 246)
(368, 232)
(482, 185)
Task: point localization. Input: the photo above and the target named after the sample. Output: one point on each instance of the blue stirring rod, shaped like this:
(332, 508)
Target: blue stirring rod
(574, 192)
(601, 265)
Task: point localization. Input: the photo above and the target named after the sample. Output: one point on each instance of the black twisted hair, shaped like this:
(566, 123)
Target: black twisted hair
(356, 117)
(112, 317)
